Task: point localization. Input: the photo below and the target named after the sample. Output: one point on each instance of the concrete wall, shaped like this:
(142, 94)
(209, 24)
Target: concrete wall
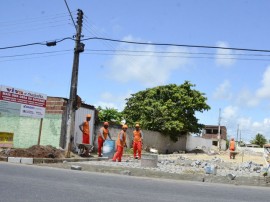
(251, 149)
(223, 145)
(206, 144)
(26, 129)
(193, 142)
(152, 139)
(80, 117)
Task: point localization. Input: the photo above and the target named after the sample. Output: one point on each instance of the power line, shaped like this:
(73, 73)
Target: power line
(32, 29)
(99, 52)
(138, 43)
(33, 22)
(70, 15)
(178, 52)
(30, 24)
(37, 43)
(179, 56)
(57, 15)
(38, 53)
(171, 44)
(95, 32)
(35, 57)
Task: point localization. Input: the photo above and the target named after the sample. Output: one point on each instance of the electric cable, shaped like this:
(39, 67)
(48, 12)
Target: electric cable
(31, 20)
(70, 15)
(36, 43)
(36, 53)
(171, 44)
(178, 52)
(35, 57)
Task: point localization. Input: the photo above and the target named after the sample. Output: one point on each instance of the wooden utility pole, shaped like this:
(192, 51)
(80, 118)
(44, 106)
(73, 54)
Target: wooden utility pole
(237, 133)
(40, 130)
(79, 47)
(219, 119)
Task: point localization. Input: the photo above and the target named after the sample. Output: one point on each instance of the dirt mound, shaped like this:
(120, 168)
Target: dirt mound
(34, 152)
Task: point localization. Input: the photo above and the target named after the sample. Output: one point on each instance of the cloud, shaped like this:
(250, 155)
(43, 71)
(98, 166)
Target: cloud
(149, 67)
(249, 99)
(230, 112)
(248, 127)
(264, 91)
(223, 56)
(106, 104)
(118, 103)
(245, 97)
(223, 91)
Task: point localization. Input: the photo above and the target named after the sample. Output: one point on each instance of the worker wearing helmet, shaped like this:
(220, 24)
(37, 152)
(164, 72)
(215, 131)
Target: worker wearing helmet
(85, 128)
(103, 135)
(121, 143)
(137, 141)
(232, 148)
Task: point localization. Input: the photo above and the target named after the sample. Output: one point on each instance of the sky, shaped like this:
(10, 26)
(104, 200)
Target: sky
(236, 83)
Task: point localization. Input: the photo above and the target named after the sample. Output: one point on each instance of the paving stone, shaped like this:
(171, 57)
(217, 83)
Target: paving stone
(125, 172)
(75, 167)
(14, 160)
(28, 161)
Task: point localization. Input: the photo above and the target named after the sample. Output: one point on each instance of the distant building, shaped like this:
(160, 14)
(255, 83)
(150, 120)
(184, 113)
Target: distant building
(211, 132)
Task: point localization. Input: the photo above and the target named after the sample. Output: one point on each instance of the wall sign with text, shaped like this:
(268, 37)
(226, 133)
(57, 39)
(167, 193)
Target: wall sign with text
(21, 102)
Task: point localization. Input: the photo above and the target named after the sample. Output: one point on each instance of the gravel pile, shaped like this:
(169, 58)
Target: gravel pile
(183, 165)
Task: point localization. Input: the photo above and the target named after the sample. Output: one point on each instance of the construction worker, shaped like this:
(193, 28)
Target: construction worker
(137, 142)
(121, 143)
(85, 128)
(103, 135)
(232, 148)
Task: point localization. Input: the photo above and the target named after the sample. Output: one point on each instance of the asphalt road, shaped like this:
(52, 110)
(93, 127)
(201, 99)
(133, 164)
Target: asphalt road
(38, 184)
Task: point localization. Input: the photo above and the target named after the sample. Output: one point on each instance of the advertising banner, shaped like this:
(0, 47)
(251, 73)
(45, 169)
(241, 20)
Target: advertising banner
(21, 102)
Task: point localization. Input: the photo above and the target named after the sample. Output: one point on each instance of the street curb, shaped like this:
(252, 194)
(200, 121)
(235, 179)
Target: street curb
(143, 172)
(50, 160)
(4, 159)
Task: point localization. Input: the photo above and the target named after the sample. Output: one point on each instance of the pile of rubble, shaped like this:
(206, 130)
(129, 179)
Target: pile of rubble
(33, 152)
(179, 164)
(216, 164)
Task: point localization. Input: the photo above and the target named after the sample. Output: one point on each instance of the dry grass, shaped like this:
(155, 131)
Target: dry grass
(255, 158)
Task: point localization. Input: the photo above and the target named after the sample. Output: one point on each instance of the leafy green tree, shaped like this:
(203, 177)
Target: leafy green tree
(169, 109)
(109, 114)
(259, 140)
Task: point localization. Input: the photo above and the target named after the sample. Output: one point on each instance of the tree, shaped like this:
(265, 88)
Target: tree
(109, 114)
(259, 140)
(169, 109)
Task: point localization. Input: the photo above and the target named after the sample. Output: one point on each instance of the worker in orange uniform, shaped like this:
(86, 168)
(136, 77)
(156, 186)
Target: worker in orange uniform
(232, 148)
(85, 128)
(103, 135)
(137, 141)
(121, 143)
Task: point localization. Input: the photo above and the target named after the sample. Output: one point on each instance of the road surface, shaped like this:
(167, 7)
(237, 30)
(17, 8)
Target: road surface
(37, 184)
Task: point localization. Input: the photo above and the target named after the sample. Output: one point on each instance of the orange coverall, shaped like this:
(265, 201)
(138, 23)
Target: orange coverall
(232, 148)
(121, 142)
(86, 133)
(137, 143)
(103, 135)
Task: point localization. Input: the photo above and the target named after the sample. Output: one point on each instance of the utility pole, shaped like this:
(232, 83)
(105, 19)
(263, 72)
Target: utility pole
(79, 47)
(240, 138)
(237, 133)
(219, 119)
